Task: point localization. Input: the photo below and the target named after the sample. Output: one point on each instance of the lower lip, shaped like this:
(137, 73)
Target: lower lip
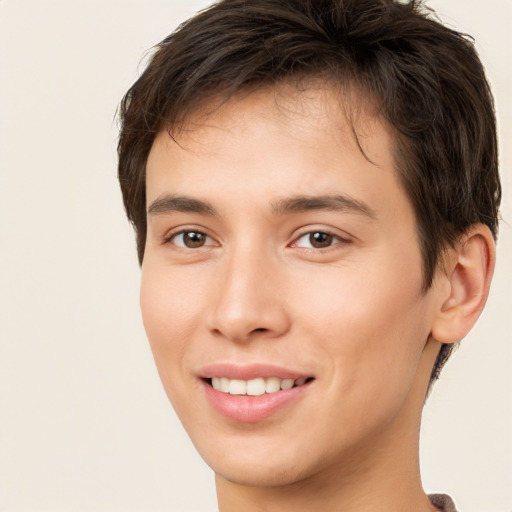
(251, 409)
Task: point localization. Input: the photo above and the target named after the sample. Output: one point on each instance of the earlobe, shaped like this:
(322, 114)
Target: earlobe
(468, 271)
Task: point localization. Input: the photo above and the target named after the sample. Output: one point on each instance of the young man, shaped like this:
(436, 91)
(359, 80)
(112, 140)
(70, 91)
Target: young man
(314, 189)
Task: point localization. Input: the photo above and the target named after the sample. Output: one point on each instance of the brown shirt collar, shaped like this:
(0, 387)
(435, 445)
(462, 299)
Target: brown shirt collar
(442, 502)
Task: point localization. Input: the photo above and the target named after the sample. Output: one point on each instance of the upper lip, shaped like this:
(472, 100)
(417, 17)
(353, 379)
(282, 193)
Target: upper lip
(250, 371)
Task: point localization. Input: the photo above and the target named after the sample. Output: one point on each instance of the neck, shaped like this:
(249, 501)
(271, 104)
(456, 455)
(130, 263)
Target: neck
(383, 475)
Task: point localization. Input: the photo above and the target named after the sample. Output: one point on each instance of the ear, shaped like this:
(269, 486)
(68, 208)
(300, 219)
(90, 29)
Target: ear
(466, 276)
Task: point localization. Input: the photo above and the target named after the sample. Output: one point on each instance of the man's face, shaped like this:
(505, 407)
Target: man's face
(278, 255)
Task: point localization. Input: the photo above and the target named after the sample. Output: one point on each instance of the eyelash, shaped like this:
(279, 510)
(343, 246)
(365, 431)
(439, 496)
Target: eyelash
(170, 238)
(335, 239)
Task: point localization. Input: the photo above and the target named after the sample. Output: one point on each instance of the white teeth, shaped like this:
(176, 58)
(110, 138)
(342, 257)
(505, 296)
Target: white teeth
(238, 387)
(273, 384)
(254, 387)
(287, 384)
(224, 385)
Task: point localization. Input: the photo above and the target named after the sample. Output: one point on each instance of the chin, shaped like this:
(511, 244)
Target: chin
(258, 474)
(252, 463)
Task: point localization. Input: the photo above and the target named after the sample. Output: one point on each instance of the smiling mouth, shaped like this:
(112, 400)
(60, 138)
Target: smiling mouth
(255, 387)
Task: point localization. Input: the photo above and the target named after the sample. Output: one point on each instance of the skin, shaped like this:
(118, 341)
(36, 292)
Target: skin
(351, 314)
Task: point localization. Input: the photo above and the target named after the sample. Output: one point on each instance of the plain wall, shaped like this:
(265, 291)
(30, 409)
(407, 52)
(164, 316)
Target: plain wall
(84, 422)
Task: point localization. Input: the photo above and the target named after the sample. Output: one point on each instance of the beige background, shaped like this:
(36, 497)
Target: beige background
(84, 423)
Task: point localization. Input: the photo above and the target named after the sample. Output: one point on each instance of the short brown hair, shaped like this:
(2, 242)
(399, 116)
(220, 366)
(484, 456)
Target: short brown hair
(427, 80)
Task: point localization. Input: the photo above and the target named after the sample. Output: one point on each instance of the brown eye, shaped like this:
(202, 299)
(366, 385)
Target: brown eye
(191, 239)
(317, 240)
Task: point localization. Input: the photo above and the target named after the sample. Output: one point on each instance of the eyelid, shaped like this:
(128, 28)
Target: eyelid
(341, 238)
(168, 237)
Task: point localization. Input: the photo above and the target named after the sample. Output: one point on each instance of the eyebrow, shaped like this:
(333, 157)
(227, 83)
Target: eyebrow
(295, 204)
(169, 204)
(337, 203)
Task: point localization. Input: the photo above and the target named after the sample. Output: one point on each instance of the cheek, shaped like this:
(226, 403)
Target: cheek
(169, 316)
(169, 299)
(371, 321)
(372, 333)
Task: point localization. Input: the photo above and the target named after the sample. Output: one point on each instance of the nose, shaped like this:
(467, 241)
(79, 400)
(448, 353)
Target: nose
(249, 300)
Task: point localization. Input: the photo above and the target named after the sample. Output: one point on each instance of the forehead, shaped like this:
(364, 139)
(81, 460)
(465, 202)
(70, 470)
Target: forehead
(296, 140)
(314, 110)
